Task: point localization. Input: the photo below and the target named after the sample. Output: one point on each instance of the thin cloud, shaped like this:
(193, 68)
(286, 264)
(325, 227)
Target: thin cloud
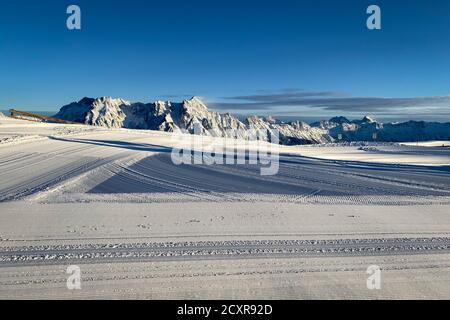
(286, 95)
(330, 101)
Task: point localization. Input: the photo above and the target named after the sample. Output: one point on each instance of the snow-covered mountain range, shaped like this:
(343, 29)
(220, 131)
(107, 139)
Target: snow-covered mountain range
(190, 115)
(193, 115)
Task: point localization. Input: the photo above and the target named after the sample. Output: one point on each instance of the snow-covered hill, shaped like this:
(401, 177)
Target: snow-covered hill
(190, 115)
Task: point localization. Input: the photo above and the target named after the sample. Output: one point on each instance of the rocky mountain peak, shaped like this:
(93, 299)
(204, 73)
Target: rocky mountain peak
(368, 119)
(339, 120)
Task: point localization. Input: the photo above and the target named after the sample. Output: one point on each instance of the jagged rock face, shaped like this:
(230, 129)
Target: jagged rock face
(301, 133)
(107, 112)
(76, 111)
(368, 129)
(195, 116)
(290, 133)
(191, 115)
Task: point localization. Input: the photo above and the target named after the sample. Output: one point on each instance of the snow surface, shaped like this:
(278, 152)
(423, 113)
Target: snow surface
(112, 202)
(428, 143)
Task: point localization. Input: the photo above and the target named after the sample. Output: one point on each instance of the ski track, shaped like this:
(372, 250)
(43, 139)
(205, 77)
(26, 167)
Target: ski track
(26, 173)
(57, 162)
(109, 253)
(304, 178)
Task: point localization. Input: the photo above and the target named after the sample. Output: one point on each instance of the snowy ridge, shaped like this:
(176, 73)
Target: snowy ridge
(188, 115)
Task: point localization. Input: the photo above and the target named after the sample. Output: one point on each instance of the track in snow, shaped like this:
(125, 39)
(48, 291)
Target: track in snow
(297, 176)
(92, 253)
(35, 167)
(28, 169)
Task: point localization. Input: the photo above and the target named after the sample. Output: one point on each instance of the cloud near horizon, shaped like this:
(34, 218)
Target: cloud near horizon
(291, 99)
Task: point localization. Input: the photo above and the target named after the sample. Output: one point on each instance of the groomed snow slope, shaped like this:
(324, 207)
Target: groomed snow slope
(112, 202)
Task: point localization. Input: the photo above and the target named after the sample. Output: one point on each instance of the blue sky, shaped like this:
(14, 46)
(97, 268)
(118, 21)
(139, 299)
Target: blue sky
(285, 58)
